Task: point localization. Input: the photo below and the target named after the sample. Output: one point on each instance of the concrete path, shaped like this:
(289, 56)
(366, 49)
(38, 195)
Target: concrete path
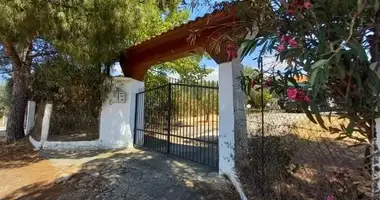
(137, 175)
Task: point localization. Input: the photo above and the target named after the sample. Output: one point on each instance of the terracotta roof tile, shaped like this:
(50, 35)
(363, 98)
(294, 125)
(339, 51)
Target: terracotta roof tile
(216, 11)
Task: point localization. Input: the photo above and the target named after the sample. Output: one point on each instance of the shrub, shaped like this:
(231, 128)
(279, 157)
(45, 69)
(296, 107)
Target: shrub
(255, 98)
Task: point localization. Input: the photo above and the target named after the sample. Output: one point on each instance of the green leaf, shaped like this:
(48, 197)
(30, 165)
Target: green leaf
(338, 56)
(350, 128)
(372, 66)
(294, 82)
(358, 80)
(358, 50)
(376, 6)
(360, 5)
(304, 107)
(319, 63)
(250, 46)
(341, 71)
(330, 116)
(315, 110)
(313, 78)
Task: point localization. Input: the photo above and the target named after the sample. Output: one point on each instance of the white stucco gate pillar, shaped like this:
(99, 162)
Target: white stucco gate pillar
(232, 118)
(30, 112)
(118, 114)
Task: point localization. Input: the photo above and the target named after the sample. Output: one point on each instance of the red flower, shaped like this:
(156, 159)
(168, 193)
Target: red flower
(232, 53)
(280, 48)
(232, 50)
(307, 5)
(330, 197)
(292, 8)
(268, 83)
(292, 93)
(285, 39)
(291, 11)
(253, 83)
(298, 2)
(295, 94)
(300, 95)
(307, 99)
(293, 43)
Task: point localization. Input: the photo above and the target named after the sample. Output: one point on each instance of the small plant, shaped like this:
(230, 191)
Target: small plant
(343, 188)
(267, 162)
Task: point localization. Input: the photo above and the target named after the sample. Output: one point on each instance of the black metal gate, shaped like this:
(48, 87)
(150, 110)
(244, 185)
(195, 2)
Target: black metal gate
(180, 119)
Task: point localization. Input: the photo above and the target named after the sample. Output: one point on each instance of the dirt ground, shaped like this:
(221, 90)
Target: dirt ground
(21, 168)
(124, 174)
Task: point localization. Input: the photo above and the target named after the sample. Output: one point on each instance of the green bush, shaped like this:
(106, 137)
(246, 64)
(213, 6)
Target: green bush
(77, 94)
(255, 98)
(263, 167)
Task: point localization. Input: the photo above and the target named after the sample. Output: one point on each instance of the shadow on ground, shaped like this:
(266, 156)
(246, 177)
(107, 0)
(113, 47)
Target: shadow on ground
(131, 174)
(17, 154)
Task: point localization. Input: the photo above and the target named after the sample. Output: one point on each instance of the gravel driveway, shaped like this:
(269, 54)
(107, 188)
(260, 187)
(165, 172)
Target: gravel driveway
(137, 175)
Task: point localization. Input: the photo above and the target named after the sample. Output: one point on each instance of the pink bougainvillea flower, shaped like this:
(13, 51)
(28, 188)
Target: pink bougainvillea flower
(307, 5)
(330, 197)
(280, 48)
(307, 99)
(293, 43)
(295, 94)
(285, 39)
(292, 93)
(300, 96)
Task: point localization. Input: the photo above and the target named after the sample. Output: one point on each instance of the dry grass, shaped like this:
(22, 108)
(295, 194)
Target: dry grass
(305, 129)
(318, 164)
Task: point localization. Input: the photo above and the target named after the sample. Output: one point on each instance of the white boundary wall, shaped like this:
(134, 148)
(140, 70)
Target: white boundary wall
(116, 121)
(30, 113)
(65, 146)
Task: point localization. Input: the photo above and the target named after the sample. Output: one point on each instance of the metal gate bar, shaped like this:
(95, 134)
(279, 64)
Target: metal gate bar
(179, 119)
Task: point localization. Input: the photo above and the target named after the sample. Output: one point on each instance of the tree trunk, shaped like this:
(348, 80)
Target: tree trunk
(15, 125)
(20, 67)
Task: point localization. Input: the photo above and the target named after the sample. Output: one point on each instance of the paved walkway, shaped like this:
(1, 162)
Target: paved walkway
(137, 175)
